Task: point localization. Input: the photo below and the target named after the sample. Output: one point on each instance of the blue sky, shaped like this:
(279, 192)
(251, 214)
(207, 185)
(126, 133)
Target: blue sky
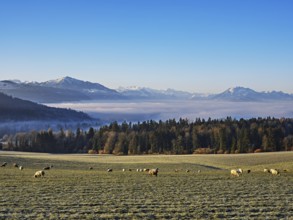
(190, 45)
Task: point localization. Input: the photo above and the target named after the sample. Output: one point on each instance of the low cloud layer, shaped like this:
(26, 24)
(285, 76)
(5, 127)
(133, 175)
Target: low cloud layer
(163, 110)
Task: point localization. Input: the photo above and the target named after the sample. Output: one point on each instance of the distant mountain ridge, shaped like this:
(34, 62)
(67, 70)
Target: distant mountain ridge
(247, 94)
(148, 93)
(65, 89)
(68, 89)
(89, 89)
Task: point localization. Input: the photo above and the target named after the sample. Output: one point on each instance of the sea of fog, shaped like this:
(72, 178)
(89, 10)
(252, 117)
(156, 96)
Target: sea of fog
(135, 111)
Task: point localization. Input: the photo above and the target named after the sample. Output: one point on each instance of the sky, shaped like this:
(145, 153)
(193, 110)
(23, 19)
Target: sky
(204, 46)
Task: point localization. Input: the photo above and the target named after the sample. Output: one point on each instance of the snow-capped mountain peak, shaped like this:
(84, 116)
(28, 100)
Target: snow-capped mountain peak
(64, 81)
(239, 90)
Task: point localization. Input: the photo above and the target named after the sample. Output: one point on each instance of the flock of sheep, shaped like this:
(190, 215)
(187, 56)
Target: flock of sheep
(238, 172)
(153, 172)
(39, 173)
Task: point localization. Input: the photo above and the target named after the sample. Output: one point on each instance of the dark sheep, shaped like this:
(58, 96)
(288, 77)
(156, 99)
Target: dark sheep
(4, 164)
(15, 165)
(109, 170)
(47, 168)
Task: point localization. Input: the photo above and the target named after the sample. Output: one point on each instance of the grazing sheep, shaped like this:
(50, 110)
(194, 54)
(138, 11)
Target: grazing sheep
(154, 172)
(234, 172)
(146, 170)
(129, 169)
(39, 173)
(90, 168)
(123, 170)
(274, 172)
(4, 164)
(198, 171)
(15, 165)
(248, 171)
(109, 170)
(265, 170)
(187, 171)
(240, 170)
(47, 168)
(20, 167)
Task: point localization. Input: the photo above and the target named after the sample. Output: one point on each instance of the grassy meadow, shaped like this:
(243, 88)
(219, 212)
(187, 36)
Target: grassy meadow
(70, 190)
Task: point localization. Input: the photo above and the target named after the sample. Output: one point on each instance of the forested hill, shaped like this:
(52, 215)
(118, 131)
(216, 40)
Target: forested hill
(14, 109)
(169, 137)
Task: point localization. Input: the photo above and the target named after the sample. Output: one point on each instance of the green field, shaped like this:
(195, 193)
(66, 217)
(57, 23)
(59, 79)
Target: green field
(70, 190)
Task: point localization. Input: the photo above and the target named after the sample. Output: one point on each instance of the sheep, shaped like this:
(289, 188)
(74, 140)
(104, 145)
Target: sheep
(15, 165)
(176, 170)
(47, 168)
(274, 172)
(39, 173)
(4, 164)
(90, 168)
(234, 172)
(146, 170)
(154, 172)
(109, 170)
(239, 170)
(20, 167)
(123, 170)
(187, 171)
(199, 171)
(248, 171)
(129, 169)
(266, 170)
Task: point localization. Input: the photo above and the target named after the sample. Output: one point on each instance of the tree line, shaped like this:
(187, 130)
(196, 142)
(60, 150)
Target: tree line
(157, 137)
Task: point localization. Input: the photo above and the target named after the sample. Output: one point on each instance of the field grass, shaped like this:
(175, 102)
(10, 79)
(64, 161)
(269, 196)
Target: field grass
(71, 191)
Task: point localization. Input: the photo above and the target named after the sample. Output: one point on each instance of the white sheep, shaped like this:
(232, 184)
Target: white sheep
(154, 172)
(274, 171)
(234, 172)
(39, 173)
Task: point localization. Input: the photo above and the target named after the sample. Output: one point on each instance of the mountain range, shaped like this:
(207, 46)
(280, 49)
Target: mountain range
(68, 89)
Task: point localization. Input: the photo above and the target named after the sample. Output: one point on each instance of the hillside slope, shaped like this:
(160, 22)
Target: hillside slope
(15, 109)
